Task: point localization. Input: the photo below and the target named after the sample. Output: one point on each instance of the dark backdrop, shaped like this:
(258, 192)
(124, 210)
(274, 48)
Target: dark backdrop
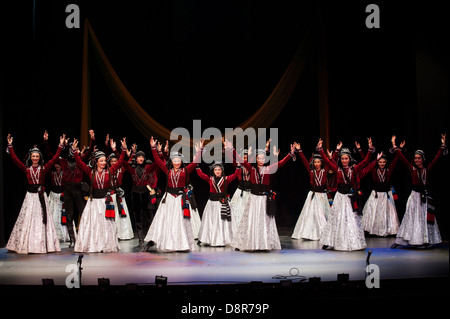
(218, 61)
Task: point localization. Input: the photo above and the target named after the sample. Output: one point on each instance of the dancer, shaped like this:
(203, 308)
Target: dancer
(379, 213)
(343, 230)
(315, 211)
(240, 200)
(73, 185)
(122, 215)
(257, 229)
(143, 173)
(216, 227)
(34, 230)
(97, 229)
(171, 228)
(419, 226)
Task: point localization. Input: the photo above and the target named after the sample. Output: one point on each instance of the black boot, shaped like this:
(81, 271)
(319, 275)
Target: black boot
(71, 234)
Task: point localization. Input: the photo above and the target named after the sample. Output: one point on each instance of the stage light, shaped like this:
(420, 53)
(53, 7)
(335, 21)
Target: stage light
(47, 282)
(160, 281)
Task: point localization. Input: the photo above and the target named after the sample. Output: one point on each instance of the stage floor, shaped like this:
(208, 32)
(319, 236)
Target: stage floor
(297, 260)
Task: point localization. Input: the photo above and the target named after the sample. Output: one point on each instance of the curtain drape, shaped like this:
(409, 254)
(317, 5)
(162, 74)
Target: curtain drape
(147, 125)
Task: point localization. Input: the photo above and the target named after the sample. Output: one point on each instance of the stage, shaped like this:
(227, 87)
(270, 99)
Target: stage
(298, 260)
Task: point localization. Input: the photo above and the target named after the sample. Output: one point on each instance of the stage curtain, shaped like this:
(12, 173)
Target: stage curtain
(148, 126)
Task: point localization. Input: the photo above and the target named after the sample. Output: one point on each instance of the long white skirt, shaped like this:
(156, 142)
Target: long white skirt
(414, 229)
(55, 207)
(170, 230)
(240, 205)
(313, 217)
(123, 223)
(344, 228)
(380, 215)
(96, 233)
(196, 222)
(214, 230)
(30, 234)
(257, 230)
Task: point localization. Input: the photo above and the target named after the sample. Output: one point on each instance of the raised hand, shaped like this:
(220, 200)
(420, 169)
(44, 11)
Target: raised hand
(275, 152)
(75, 144)
(393, 140)
(297, 146)
(45, 135)
(92, 134)
(443, 138)
(319, 144)
(339, 145)
(369, 140)
(62, 139)
(358, 146)
(113, 144)
(9, 138)
(124, 143)
(152, 142)
(166, 148)
(379, 156)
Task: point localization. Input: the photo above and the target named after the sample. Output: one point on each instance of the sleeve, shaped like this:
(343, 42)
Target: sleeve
(191, 167)
(15, 160)
(304, 160)
(88, 153)
(233, 176)
(403, 159)
(273, 168)
(366, 160)
(327, 161)
(159, 161)
(437, 157)
(239, 159)
(366, 170)
(54, 159)
(120, 162)
(202, 175)
(86, 169)
(393, 164)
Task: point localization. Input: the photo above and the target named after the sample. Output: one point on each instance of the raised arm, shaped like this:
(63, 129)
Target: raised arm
(233, 176)
(86, 169)
(366, 159)
(121, 160)
(327, 161)
(302, 156)
(400, 155)
(158, 160)
(439, 153)
(197, 157)
(202, 175)
(55, 157)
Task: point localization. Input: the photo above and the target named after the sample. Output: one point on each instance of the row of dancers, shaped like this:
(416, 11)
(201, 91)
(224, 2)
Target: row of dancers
(170, 220)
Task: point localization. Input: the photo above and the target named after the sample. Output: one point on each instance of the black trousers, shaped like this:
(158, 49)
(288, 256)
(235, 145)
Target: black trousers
(143, 216)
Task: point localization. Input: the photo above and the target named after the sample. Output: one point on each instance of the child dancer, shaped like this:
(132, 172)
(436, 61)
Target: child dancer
(97, 229)
(343, 230)
(34, 231)
(316, 209)
(171, 228)
(257, 229)
(379, 213)
(216, 227)
(419, 225)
